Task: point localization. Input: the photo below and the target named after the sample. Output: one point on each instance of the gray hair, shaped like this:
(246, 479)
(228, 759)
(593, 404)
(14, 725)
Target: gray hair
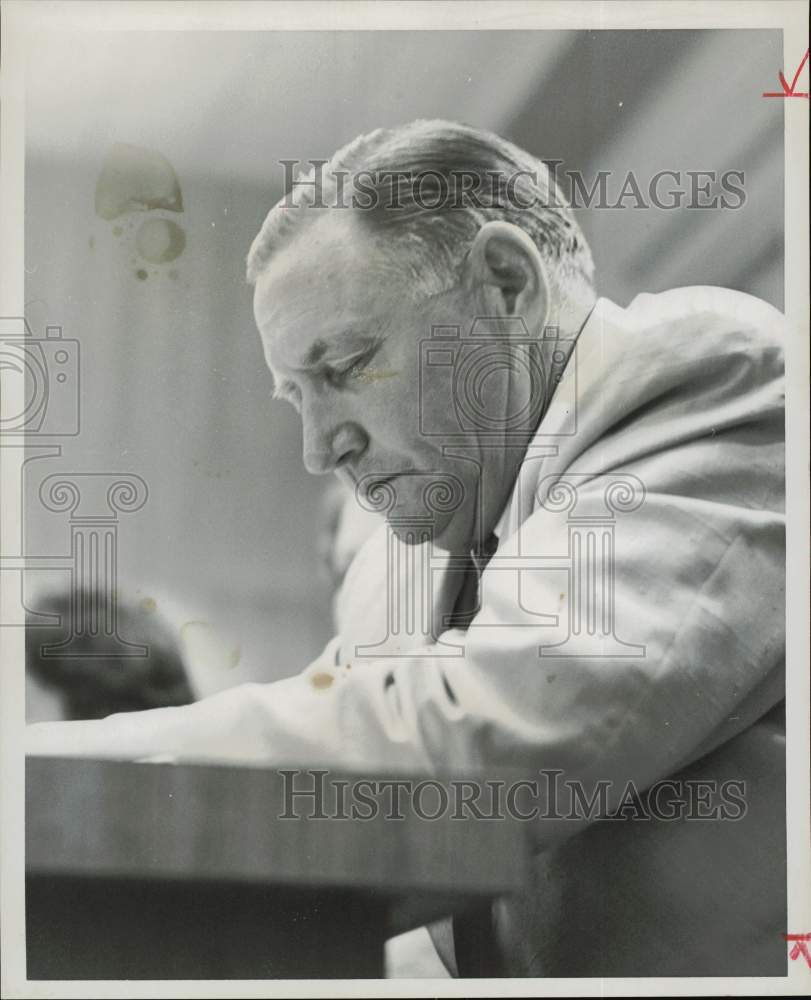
(469, 176)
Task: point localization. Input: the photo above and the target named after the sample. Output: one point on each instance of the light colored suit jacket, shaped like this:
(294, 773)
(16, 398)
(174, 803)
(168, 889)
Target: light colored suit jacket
(665, 443)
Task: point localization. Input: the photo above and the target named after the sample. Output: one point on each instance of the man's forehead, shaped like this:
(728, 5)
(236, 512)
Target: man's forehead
(326, 284)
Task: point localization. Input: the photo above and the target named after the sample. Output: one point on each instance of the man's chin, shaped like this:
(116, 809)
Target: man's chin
(444, 531)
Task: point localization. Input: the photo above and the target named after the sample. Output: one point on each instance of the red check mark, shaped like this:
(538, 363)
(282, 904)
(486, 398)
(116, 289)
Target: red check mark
(790, 91)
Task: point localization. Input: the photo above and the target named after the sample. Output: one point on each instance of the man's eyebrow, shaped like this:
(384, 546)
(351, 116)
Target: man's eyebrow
(313, 358)
(318, 349)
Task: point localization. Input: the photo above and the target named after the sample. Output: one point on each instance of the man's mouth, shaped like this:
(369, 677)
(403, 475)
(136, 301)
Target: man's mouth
(376, 492)
(371, 484)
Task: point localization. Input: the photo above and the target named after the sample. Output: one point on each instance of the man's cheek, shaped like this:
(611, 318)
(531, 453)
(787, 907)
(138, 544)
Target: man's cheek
(392, 418)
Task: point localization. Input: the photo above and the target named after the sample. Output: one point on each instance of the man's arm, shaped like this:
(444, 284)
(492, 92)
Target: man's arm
(698, 585)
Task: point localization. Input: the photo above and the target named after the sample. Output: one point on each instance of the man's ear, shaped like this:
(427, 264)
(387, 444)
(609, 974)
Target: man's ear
(504, 259)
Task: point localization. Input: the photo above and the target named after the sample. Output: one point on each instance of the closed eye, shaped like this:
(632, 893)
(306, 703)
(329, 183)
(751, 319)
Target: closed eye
(340, 376)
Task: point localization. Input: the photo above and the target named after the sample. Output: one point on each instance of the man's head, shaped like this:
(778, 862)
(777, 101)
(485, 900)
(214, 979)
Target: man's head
(403, 234)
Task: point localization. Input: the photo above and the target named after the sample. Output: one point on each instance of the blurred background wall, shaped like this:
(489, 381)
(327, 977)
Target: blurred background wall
(173, 380)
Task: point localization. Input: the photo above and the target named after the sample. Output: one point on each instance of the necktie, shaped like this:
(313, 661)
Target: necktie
(466, 605)
(474, 940)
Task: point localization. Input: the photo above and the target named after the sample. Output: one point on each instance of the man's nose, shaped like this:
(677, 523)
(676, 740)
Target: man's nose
(326, 447)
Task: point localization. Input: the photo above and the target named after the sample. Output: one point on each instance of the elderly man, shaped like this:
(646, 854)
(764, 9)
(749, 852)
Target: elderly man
(588, 500)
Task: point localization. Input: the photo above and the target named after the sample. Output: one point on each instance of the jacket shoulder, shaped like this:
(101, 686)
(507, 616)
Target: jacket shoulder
(672, 366)
(709, 318)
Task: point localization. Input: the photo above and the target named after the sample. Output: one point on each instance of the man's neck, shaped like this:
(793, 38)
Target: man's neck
(566, 322)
